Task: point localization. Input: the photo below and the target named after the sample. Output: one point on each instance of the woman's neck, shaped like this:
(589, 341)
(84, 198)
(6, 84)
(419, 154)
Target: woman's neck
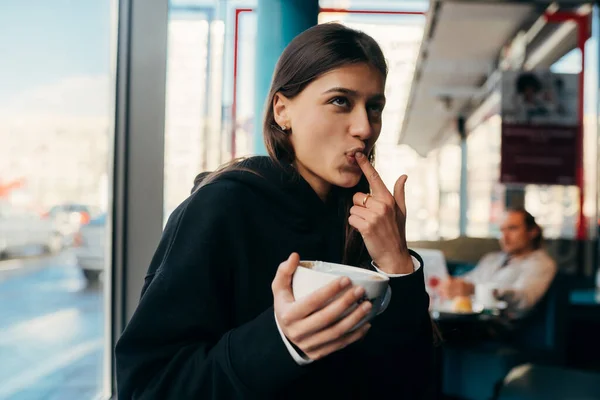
(319, 185)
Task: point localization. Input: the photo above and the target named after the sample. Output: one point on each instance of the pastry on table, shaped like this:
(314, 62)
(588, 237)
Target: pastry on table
(462, 304)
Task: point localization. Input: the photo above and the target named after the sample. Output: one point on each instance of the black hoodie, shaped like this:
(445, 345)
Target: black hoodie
(205, 326)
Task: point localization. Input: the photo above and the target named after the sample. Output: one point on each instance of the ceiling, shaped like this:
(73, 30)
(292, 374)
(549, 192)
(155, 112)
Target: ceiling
(460, 49)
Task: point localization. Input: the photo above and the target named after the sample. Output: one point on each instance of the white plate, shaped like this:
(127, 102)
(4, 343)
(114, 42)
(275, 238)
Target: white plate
(447, 308)
(501, 305)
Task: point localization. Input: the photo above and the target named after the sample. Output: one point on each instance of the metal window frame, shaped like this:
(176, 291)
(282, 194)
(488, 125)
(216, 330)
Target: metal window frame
(138, 162)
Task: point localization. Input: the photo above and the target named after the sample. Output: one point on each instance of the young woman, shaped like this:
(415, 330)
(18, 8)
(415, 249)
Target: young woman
(217, 318)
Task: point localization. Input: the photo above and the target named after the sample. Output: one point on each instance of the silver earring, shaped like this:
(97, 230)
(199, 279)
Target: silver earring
(283, 127)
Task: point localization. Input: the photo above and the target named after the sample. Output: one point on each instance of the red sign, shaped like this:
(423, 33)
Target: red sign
(538, 154)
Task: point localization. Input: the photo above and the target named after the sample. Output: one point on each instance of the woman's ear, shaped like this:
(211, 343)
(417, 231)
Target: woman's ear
(281, 106)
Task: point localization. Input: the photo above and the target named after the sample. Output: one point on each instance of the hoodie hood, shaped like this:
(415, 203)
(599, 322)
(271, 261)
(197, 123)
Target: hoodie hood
(293, 199)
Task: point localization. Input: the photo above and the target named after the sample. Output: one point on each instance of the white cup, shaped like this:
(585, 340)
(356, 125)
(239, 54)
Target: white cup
(312, 275)
(484, 295)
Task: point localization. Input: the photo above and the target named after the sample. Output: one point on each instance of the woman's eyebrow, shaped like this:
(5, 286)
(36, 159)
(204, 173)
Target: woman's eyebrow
(354, 93)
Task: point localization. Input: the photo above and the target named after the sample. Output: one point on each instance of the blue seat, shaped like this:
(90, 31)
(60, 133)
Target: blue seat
(457, 268)
(538, 382)
(476, 371)
(542, 334)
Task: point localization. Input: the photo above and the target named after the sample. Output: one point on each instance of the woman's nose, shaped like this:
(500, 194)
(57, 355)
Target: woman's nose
(360, 125)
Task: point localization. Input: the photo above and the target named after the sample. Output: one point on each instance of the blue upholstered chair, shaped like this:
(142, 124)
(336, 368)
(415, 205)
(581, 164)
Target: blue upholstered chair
(476, 372)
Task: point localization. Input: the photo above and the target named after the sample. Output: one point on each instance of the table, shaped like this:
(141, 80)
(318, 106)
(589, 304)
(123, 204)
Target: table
(463, 330)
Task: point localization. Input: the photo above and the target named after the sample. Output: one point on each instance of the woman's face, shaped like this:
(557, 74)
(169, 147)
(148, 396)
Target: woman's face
(335, 116)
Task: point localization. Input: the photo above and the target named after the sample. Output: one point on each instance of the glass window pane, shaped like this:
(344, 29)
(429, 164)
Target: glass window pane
(195, 137)
(56, 120)
(244, 104)
(448, 165)
(555, 207)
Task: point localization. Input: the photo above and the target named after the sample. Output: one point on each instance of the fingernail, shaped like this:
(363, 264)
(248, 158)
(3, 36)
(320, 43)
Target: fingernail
(367, 327)
(359, 291)
(344, 282)
(366, 305)
(359, 155)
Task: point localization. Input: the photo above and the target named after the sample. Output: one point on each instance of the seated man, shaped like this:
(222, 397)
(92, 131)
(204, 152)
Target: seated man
(521, 272)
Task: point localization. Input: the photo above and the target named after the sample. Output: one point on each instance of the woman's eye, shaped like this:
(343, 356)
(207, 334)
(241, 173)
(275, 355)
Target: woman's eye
(375, 111)
(340, 101)
(376, 108)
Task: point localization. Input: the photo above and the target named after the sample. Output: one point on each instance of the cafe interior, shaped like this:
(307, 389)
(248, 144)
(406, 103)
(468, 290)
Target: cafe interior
(492, 109)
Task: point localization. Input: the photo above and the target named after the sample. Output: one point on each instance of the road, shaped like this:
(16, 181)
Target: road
(51, 330)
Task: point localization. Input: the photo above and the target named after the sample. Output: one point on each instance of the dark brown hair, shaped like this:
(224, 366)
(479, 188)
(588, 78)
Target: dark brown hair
(199, 179)
(530, 224)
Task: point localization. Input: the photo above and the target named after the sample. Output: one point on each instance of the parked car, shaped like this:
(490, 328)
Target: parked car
(89, 248)
(22, 230)
(89, 244)
(68, 218)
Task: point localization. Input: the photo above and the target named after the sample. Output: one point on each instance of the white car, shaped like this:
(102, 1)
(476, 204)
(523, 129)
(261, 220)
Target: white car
(89, 248)
(22, 230)
(69, 217)
(89, 243)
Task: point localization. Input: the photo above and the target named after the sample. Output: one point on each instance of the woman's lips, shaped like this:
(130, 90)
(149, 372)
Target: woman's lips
(352, 163)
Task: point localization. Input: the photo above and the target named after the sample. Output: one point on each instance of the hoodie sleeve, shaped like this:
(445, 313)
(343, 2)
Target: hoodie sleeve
(180, 342)
(398, 350)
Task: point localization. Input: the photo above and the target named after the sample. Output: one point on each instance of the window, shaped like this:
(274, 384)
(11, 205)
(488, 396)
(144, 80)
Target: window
(195, 134)
(56, 120)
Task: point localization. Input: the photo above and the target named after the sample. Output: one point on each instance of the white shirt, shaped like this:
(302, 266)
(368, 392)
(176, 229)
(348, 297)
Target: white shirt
(523, 281)
(304, 360)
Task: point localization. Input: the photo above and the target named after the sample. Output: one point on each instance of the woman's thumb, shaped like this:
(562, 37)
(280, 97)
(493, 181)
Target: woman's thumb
(285, 272)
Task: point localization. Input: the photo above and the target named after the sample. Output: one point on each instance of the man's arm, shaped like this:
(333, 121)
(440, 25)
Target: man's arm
(465, 285)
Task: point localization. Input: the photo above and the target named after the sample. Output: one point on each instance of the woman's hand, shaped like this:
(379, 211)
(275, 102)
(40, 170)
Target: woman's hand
(380, 217)
(313, 323)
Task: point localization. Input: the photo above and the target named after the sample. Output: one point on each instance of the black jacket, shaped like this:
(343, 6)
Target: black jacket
(205, 327)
